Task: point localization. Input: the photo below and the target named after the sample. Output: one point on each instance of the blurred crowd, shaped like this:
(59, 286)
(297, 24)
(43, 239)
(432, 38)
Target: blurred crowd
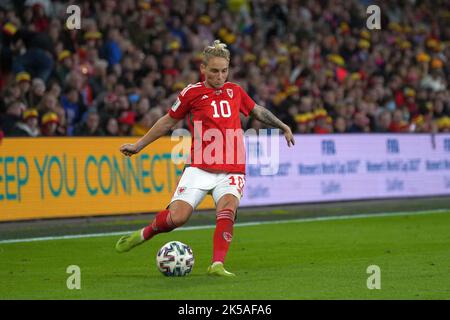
(314, 64)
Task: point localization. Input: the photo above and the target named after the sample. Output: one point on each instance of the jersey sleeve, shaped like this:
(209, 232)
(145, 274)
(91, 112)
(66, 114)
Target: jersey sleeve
(180, 107)
(246, 104)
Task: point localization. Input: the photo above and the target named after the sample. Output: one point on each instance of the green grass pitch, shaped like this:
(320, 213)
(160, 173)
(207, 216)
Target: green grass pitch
(296, 260)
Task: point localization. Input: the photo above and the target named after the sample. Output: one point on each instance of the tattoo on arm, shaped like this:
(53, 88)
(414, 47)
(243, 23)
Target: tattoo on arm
(267, 117)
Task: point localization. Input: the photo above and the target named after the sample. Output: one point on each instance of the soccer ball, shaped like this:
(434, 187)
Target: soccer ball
(175, 259)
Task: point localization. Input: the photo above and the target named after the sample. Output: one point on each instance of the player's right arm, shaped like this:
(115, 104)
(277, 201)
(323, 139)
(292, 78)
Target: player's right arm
(159, 129)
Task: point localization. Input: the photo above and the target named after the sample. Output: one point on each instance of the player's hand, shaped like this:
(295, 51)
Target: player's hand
(129, 149)
(289, 136)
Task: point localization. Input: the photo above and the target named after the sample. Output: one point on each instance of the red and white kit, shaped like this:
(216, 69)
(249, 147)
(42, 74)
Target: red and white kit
(213, 116)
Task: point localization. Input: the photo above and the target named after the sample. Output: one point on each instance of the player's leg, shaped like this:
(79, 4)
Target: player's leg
(223, 234)
(177, 214)
(225, 211)
(227, 195)
(185, 199)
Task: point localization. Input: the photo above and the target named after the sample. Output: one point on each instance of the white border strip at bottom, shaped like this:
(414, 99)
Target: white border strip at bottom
(326, 218)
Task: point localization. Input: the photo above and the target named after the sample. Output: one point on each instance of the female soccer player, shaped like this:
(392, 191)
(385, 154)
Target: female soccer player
(217, 164)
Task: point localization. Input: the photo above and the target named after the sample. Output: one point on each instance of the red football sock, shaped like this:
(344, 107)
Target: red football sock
(162, 223)
(223, 234)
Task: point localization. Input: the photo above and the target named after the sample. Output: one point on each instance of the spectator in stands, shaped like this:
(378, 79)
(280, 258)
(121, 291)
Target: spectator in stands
(383, 123)
(340, 125)
(142, 107)
(322, 122)
(398, 123)
(29, 127)
(36, 92)
(360, 123)
(141, 127)
(40, 20)
(55, 89)
(61, 128)
(126, 121)
(23, 80)
(91, 126)
(49, 124)
(111, 127)
(12, 94)
(12, 116)
(73, 107)
(64, 65)
(47, 104)
(304, 122)
(111, 50)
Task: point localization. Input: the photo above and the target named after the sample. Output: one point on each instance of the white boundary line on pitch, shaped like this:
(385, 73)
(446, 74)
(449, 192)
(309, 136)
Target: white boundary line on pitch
(243, 224)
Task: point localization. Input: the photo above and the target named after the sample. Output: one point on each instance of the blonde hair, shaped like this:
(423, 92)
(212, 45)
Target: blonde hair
(218, 49)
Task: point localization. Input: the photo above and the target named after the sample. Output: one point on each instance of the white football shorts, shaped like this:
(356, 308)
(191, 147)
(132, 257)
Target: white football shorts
(196, 183)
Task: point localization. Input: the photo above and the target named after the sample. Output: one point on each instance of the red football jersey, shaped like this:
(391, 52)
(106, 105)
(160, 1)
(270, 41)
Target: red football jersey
(215, 126)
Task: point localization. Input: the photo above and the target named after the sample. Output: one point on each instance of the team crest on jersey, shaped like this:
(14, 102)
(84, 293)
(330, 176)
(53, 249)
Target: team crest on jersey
(230, 93)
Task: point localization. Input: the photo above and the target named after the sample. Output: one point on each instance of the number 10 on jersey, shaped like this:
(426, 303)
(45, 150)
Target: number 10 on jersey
(225, 109)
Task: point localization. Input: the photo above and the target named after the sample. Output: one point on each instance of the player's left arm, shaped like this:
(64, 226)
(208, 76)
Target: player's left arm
(268, 118)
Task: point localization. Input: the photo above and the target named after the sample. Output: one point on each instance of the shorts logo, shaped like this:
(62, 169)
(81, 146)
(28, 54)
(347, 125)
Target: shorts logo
(181, 190)
(227, 236)
(230, 93)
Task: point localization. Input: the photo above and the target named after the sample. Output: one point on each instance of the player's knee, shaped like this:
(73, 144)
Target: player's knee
(229, 201)
(180, 212)
(179, 216)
